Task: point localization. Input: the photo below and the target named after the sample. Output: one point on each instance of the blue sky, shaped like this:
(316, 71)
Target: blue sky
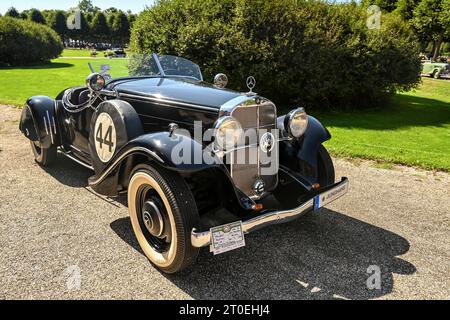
(133, 5)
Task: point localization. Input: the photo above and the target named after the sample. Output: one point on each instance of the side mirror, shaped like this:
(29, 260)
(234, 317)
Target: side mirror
(95, 82)
(220, 80)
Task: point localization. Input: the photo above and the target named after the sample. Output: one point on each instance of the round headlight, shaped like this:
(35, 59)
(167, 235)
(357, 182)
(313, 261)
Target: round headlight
(228, 132)
(297, 121)
(95, 82)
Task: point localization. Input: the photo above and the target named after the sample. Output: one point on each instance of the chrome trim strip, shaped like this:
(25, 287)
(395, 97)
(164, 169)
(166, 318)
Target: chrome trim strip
(168, 103)
(119, 159)
(227, 107)
(50, 127)
(68, 155)
(202, 239)
(45, 124)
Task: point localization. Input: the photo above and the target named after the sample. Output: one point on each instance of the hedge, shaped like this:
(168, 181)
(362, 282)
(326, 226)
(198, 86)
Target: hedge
(316, 54)
(25, 42)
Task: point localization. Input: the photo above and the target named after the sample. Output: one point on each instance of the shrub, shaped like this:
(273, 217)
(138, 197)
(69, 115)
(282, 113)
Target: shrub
(25, 42)
(301, 52)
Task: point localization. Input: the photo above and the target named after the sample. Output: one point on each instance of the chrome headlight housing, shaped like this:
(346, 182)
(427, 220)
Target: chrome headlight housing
(228, 132)
(296, 122)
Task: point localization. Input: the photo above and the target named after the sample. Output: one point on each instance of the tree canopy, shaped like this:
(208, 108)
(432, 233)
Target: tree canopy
(12, 12)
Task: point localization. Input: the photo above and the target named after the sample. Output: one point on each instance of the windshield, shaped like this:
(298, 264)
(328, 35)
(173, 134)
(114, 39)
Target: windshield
(164, 65)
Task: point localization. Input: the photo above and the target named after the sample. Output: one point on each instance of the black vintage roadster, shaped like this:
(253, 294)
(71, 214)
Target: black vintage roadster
(202, 165)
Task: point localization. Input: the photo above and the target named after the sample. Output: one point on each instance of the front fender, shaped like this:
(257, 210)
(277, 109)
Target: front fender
(174, 152)
(38, 121)
(314, 136)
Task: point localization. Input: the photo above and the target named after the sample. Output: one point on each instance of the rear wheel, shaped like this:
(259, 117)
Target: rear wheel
(42, 156)
(163, 213)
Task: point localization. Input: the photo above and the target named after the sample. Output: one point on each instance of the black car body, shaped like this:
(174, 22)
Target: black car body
(133, 131)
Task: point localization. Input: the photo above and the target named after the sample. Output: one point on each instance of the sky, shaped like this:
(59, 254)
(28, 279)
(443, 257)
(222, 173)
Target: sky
(133, 5)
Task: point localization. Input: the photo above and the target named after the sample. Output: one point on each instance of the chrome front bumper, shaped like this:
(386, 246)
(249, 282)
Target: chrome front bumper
(203, 239)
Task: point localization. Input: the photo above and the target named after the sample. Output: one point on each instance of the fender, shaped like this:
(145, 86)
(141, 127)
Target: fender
(306, 150)
(175, 151)
(314, 136)
(166, 150)
(38, 121)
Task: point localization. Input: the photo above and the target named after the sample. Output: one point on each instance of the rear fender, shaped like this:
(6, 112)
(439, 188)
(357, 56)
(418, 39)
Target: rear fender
(38, 121)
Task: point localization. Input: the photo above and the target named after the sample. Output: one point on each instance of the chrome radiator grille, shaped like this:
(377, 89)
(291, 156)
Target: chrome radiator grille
(249, 162)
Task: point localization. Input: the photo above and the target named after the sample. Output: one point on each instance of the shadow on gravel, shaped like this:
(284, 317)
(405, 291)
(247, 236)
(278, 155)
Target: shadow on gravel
(69, 173)
(323, 255)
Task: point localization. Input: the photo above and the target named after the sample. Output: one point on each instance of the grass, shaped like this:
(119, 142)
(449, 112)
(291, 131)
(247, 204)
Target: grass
(76, 53)
(20, 83)
(413, 130)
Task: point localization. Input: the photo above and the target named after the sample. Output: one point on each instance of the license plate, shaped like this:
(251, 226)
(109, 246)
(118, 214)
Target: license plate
(227, 237)
(329, 196)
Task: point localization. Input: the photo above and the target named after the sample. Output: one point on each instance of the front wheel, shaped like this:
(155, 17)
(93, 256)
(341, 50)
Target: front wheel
(163, 213)
(42, 156)
(436, 74)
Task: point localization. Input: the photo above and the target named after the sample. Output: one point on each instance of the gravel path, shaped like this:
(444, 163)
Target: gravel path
(52, 228)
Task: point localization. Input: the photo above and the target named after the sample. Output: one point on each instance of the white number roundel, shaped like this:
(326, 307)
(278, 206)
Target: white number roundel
(105, 137)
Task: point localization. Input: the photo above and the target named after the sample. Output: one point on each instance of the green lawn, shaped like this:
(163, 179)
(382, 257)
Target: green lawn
(413, 130)
(19, 83)
(76, 53)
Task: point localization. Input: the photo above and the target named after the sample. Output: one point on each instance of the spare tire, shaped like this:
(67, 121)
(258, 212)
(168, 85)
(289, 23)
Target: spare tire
(113, 125)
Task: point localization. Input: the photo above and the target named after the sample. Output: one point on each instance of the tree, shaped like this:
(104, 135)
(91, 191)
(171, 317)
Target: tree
(131, 18)
(120, 28)
(86, 6)
(405, 8)
(385, 5)
(12, 12)
(431, 19)
(36, 16)
(110, 11)
(99, 27)
(59, 23)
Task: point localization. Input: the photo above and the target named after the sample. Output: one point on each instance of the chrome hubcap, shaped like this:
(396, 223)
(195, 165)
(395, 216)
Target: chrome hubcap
(153, 219)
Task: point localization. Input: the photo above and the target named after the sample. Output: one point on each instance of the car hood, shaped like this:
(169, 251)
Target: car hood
(176, 89)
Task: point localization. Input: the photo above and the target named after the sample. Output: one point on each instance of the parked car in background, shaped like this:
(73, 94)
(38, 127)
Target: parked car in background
(119, 53)
(115, 53)
(436, 70)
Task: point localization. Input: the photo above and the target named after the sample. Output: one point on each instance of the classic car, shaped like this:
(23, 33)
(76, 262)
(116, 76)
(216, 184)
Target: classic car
(436, 69)
(201, 165)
